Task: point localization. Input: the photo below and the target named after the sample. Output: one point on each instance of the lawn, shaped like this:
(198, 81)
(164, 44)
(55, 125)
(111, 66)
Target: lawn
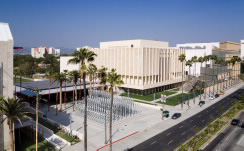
(175, 100)
(56, 130)
(176, 89)
(149, 97)
(23, 80)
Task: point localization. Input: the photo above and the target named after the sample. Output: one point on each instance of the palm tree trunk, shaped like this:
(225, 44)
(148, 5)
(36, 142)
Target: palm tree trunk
(90, 84)
(49, 96)
(60, 97)
(111, 118)
(85, 114)
(182, 87)
(73, 99)
(11, 135)
(57, 103)
(76, 93)
(65, 96)
(37, 107)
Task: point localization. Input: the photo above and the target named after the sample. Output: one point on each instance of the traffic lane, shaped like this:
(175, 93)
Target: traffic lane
(158, 142)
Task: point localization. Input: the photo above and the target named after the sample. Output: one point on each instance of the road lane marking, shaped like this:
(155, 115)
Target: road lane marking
(183, 133)
(153, 142)
(168, 134)
(194, 126)
(191, 121)
(181, 127)
(170, 142)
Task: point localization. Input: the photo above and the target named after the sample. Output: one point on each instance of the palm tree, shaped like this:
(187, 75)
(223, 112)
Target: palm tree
(213, 58)
(206, 59)
(60, 77)
(37, 113)
(50, 77)
(91, 70)
(201, 60)
(65, 81)
(233, 62)
(81, 57)
(238, 59)
(182, 58)
(189, 63)
(114, 80)
(194, 60)
(102, 75)
(74, 75)
(13, 109)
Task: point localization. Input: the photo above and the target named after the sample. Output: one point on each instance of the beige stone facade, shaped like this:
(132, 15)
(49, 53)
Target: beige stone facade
(230, 46)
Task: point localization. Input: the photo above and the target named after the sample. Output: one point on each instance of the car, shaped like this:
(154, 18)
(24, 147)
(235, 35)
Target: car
(235, 122)
(242, 125)
(222, 93)
(176, 115)
(211, 98)
(201, 103)
(216, 95)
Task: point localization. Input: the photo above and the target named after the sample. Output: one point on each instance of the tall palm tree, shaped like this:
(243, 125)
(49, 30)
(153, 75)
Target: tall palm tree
(213, 59)
(65, 81)
(13, 109)
(50, 77)
(182, 58)
(233, 62)
(206, 59)
(238, 59)
(82, 57)
(218, 63)
(102, 75)
(201, 60)
(194, 60)
(37, 114)
(74, 75)
(91, 70)
(114, 80)
(60, 77)
(189, 63)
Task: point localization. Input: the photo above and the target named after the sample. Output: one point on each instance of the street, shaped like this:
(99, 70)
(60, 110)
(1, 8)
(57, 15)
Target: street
(231, 139)
(174, 136)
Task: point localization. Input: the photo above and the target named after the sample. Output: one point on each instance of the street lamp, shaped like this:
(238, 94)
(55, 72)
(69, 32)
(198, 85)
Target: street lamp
(70, 119)
(163, 100)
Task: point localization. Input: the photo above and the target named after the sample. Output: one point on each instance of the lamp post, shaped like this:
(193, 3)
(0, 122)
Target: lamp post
(163, 100)
(70, 120)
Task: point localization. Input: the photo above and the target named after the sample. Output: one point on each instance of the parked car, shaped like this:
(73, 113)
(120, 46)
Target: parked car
(216, 95)
(242, 125)
(235, 122)
(211, 98)
(176, 115)
(222, 93)
(201, 103)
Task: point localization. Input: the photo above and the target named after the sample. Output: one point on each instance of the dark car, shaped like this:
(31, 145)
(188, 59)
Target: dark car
(242, 125)
(176, 115)
(216, 95)
(201, 103)
(235, 122)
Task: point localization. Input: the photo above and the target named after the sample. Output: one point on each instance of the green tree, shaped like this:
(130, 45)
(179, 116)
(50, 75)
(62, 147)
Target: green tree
(182, 59)
(102, 75)
(13, 109)
(189, 63)
(82, 57)
(91, 71)
(114, 80)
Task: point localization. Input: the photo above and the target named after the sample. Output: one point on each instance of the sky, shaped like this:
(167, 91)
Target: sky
(75, 23)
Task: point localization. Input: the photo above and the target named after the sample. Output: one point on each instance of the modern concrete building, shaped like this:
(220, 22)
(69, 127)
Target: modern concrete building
(42, 51)
(199, 50)
(145, 66)
(242, 49)
(6, 76)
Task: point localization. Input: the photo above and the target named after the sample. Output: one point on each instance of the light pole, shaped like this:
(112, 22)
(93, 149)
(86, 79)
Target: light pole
(70, 119)
(163, 100)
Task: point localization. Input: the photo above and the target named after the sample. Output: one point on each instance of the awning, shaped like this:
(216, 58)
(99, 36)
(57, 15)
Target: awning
(28, 93)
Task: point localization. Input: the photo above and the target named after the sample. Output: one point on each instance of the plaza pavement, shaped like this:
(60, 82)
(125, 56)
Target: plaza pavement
(142, 126)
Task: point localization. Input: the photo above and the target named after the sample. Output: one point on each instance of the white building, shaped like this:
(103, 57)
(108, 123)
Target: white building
(199, 50)
(145, 66)
(6, 76)
(242, 49)
(42, 51)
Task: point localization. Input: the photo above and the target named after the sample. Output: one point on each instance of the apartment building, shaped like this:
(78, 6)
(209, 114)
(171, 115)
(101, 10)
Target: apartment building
(42, 51)
(146, 66)
(6, 76)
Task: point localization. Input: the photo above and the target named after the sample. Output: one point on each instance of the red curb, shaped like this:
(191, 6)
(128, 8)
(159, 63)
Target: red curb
(118, 140)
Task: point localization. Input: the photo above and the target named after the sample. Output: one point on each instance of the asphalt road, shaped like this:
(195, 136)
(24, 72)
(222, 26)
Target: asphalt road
(173, 137)
(229, 139)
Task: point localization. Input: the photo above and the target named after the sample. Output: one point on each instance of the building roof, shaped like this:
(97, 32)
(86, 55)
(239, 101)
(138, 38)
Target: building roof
(5, 33)
(44, 85)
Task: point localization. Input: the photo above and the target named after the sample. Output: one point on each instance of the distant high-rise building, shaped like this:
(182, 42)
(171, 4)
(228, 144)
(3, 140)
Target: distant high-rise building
(6, 77)
(42, 51)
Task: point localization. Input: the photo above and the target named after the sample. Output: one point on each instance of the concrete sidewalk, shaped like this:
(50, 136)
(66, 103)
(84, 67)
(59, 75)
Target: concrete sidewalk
(162, 126)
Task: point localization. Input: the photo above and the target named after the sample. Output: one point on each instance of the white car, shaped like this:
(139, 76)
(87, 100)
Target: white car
(211, 98)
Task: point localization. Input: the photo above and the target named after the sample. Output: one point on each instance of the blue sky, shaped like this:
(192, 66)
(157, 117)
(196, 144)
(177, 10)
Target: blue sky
(75, 23)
